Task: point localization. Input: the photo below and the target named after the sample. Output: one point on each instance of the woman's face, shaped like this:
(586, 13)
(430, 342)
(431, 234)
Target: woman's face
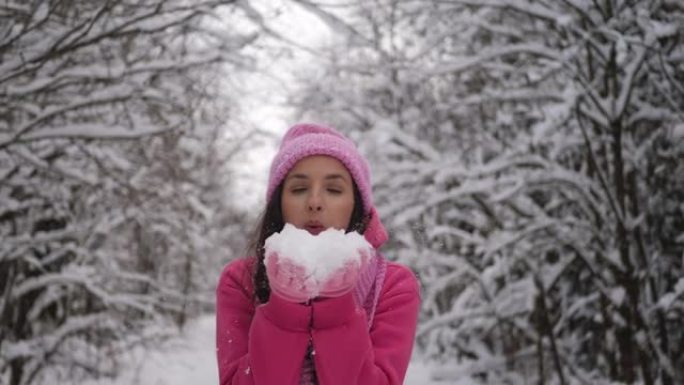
(318, 193)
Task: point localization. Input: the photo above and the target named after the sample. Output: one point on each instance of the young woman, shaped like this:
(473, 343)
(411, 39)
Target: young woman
(360, 327)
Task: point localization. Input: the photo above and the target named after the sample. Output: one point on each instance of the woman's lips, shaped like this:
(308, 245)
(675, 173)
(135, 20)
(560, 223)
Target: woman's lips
(314, 229)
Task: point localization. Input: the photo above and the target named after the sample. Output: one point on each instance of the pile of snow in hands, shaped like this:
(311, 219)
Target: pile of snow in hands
(321, 254)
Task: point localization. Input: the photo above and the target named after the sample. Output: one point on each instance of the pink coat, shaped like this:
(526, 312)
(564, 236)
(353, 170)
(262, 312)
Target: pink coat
(266, 344)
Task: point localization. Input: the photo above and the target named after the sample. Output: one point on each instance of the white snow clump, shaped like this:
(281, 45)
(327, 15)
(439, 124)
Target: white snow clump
(320, 254)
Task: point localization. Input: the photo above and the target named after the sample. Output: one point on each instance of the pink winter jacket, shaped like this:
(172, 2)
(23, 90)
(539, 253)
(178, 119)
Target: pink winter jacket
(266, 344)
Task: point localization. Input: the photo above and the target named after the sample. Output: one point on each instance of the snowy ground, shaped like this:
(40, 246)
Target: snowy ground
(190, 359)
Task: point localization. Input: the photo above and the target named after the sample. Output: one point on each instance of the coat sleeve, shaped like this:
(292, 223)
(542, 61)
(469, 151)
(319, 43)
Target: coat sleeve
(346, 353)
(257, 346)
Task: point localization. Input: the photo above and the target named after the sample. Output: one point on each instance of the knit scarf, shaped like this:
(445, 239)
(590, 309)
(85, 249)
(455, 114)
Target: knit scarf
(366, 295)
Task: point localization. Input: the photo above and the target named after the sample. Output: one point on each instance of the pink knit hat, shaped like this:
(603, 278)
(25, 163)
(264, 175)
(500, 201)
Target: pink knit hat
(306, 139)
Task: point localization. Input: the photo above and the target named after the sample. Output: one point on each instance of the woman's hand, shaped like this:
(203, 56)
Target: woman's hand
(343, 280)
(289, 280)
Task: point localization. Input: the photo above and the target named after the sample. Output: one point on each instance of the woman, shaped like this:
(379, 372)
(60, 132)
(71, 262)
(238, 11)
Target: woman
(360, 328)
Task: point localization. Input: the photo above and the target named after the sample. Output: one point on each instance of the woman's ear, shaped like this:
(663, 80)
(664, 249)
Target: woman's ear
(375, 232)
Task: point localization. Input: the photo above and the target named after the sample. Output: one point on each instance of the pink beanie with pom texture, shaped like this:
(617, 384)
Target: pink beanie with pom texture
(305, 139)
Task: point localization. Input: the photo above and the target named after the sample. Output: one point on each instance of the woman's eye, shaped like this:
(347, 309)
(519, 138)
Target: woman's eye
(298, 190)
(335, 191)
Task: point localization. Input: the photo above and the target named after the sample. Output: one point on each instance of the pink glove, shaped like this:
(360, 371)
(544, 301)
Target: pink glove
(343, 280)
(288, 279)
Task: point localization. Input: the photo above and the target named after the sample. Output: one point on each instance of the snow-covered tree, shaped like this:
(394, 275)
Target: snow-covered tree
(113, 174)
(527, 157)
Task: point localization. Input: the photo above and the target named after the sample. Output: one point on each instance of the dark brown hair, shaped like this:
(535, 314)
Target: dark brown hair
(270, 222)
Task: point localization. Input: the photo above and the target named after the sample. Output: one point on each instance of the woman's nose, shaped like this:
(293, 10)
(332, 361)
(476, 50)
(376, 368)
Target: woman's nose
(315, 207)
(315, 203)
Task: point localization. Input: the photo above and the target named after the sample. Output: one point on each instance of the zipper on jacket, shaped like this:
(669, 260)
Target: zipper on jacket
(311, 351)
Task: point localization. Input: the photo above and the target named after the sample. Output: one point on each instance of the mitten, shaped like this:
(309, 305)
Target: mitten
(343, 279)
(289, 280)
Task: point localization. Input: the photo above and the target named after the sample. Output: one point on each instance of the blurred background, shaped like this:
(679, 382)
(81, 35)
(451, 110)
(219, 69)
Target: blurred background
(527, 157)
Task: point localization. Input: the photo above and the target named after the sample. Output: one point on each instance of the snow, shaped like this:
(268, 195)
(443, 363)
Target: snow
(679, 287)
(617, 295)
(678, 132)
(304, 249)
(662, 30)
(666, 301)
(49, 342)
(419, 373)
(42, 11)
(92, 131)
(190, 358)
(466, 63)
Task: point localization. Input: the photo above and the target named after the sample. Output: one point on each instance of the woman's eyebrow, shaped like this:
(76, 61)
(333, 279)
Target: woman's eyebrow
(327, 177)
(335, 176)
(298, 176)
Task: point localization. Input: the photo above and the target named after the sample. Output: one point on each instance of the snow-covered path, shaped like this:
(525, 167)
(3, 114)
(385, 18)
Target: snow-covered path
(190, 359)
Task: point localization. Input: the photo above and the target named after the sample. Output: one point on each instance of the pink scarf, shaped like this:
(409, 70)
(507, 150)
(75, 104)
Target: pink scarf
(366, 294)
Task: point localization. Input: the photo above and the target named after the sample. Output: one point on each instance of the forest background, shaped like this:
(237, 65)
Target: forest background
(527, 160)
